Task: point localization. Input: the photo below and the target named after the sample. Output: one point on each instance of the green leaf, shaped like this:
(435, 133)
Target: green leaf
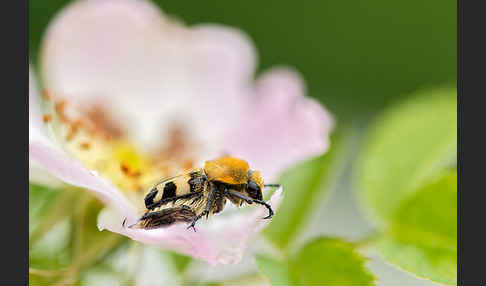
(276, 272)
(331, 261)
(49, 230)
(42, 280)
(304, 186)
(40, 199)
(53, 250)
(407, 144)
(48, 207)
(422, 237)
(181, 262)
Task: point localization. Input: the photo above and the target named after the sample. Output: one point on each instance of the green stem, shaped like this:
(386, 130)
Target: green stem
(46, 273)
(79, 218)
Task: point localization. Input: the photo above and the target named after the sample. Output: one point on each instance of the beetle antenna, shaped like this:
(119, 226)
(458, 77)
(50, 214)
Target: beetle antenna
(272, 185)
(130, 226)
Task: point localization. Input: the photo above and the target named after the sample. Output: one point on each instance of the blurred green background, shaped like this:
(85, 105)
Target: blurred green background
(356, 56)
(387, 71)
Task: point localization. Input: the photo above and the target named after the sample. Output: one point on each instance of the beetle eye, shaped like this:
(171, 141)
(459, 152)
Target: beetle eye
(253, 186)
(254, 190)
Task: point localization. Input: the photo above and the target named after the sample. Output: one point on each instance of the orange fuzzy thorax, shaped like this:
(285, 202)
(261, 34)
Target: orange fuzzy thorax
(227, 170)
(256, 177)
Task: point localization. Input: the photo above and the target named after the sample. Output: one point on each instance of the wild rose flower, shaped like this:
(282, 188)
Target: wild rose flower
(130, 97)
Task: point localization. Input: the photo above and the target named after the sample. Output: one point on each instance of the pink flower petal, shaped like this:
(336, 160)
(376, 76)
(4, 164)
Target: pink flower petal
(39, 175)
(282, 126)
(72, 172)
(37, 128)
(223, 239)
(38, 133)
(148, 69)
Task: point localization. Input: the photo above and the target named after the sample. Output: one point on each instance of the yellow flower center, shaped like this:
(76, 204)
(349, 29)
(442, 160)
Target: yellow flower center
(131, 161)
(129, 168)
(101, 145)
(119, 161)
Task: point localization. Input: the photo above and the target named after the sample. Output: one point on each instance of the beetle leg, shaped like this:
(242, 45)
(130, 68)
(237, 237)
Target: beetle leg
(206, 209)
(250, 200)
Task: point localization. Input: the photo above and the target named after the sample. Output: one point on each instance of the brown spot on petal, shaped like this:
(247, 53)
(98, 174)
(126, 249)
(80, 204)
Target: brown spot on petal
(73, 129)
(46, 118)
(46, 94)
(176, 146)
(176, 143)
(124, 168)
(60, 107)
(85, 145)
(128, 172)
(177, 152)
(69, 136)
(103, 123)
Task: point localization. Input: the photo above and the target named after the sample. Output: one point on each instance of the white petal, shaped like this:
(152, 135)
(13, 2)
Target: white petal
(39, 175)
(281, 126)
(38, 133)
(37, 128)
(148, 69)
(155, 269)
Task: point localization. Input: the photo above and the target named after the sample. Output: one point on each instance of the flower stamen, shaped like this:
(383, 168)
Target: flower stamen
(46, 118)
(93, 136)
